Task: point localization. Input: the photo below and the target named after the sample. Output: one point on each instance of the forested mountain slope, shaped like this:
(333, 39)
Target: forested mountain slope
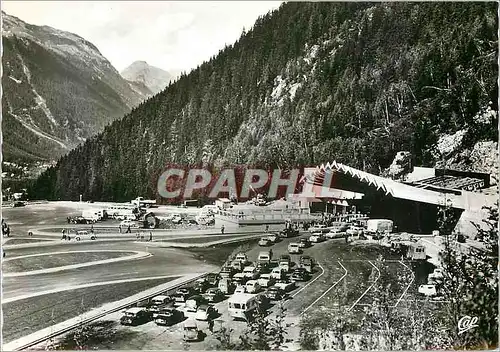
(57, 91)
(310, 83)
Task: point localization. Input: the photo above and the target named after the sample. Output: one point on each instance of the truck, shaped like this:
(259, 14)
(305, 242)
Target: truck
(92, 215)
(141, 202)
(379, 226)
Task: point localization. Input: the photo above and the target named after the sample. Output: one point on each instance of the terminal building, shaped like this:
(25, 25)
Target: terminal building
(412, 204)
(345, 192)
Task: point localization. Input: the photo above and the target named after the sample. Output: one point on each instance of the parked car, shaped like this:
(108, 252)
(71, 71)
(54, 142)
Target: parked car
(200, 285)
(286, 286)
(264, 257)
(212, 279)
(335, 233)
(307, 263)
(127, 223)
(318, 228)
(240, 289)
(193, 302)
(304, 243)
(181, 295)
(285, 257)
(275, 293)
(265, 280)
(205, 312)
(294, 248)
(277, 273)
(237, 265)
(191, 331)
(436, 275)
(263, 301)
(214, 295)
(273, 238)
(317, 237)
(263, 268)
(241, 257)
(264, 242)
(427, 290)
(135, 316)
(252, 286)
(300, 274)
(250, 272)
(289, 232)
(168, 316)
(355, 230)
(227, 272)
(226, 286)
(240, 279)
(161, 299)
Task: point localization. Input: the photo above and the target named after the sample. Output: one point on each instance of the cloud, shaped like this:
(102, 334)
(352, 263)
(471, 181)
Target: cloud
(173, 35)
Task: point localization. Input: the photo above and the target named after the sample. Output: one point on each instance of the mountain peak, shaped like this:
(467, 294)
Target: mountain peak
(152, 77)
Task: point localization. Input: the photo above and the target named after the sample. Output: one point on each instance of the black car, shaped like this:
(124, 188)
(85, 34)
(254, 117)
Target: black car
(300, 274)
(304, 243)
(285, 257)
(168, 316)
(182, 294)
(212, 279)
(135, 316)
(275, 293)
(263, 268)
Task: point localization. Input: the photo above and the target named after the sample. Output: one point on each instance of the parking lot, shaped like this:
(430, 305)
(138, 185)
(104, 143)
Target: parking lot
(342, 270)
(344, 273)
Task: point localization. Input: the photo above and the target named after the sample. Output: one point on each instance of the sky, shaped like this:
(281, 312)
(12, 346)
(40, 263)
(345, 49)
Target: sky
(172, 35)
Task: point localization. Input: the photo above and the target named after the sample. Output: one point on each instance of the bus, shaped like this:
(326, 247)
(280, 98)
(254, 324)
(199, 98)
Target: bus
(243, 306)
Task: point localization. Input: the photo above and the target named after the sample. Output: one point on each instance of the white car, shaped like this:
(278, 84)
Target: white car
(177, 219)
(286, 286)
(266, 280)
(250, 272)
(205, 312)
(318, 228)
(355, 230)
(436, 275)
(84, 235)
(252, 286)
(294, 248)
(427, 290)
(335, 233)
(240, 289)
(273, 238)
(316, 238)
(241, 257)
(277, 273)
(127, 223)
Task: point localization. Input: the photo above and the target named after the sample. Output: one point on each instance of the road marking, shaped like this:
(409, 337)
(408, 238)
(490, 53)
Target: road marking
(368, 289)
(75, 287)
(137, 255)
(66, 252)
(328, 290)
(407, 287)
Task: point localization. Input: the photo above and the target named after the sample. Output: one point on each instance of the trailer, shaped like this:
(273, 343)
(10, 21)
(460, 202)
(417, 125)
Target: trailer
(416, 251)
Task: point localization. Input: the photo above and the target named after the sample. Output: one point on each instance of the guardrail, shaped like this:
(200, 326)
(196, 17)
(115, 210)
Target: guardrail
(99, 315)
